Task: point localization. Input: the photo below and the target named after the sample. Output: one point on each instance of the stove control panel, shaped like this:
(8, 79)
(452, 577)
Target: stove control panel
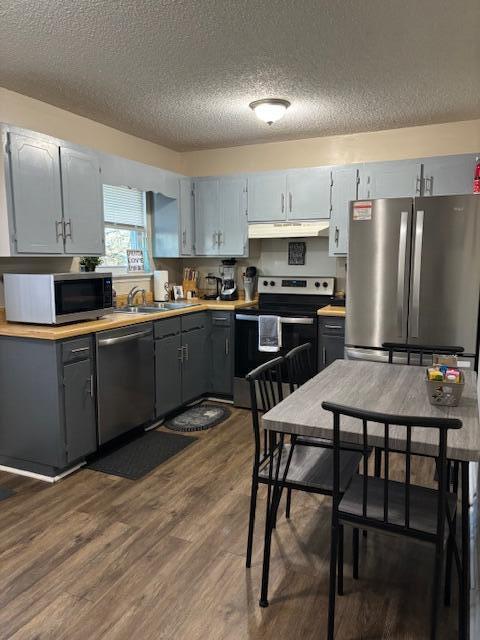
(306, 286)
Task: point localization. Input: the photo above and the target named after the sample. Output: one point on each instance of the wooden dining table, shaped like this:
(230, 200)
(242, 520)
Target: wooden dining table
(398, 390)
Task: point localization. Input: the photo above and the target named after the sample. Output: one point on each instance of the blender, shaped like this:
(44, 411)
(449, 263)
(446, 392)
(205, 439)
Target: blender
(229, 286)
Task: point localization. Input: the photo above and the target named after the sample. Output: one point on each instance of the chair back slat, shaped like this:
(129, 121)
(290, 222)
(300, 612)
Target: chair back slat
(441, 425)
(397, 349)
(266, 392)
(299, 365)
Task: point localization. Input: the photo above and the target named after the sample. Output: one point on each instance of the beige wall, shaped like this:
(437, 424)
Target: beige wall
(393, 144)
(22, 111)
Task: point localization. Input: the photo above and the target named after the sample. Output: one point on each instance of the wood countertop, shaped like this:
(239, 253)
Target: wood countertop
(330, 310)
(112, 321)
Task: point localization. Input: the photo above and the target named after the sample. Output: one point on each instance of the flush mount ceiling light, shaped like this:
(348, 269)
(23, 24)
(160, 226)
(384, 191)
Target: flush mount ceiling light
(270, 109)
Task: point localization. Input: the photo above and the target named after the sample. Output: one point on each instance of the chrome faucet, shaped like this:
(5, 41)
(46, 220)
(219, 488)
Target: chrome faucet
(133, 292)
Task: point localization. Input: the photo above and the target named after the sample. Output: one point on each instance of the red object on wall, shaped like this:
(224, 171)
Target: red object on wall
(476, 177)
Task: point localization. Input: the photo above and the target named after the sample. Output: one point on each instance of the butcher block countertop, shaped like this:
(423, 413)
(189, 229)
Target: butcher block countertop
(111, 321)
(332, 311)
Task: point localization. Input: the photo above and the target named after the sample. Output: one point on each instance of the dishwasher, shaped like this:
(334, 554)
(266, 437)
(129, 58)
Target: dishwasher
(125, 380)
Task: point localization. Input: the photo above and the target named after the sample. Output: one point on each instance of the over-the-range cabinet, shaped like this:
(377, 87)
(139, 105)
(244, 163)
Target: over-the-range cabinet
(413, 273)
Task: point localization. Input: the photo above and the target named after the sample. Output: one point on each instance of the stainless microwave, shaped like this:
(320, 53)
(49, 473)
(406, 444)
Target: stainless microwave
(56, 298)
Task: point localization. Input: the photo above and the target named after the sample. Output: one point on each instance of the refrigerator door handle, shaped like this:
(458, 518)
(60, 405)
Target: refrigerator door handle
(417, 268)
(402, 254)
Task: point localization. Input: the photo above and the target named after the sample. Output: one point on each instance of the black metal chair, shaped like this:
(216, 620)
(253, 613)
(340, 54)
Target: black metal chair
(391, 506)
(298, 467)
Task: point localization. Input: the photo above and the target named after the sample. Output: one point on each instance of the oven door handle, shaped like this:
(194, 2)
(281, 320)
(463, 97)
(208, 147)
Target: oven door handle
(243, 316)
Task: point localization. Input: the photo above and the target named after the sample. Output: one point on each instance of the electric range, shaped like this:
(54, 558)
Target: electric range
(295, 300)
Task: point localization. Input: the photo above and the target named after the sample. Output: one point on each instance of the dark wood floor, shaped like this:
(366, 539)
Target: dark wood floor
(101, 557)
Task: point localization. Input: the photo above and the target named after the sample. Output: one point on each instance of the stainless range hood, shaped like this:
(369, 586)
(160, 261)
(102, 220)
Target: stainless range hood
(315, 229)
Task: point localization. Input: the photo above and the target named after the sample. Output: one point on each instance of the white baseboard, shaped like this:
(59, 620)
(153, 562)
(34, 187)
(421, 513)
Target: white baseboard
(40, 476)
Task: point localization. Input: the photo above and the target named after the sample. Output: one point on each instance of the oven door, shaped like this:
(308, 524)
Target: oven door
(82, 297)
(295, 331)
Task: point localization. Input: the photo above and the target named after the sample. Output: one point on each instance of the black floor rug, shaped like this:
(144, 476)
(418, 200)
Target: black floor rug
(5, 493)
(198, 418)
(138, 457)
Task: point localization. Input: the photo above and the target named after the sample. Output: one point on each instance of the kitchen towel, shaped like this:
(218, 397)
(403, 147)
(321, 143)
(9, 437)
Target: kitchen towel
(269, 333)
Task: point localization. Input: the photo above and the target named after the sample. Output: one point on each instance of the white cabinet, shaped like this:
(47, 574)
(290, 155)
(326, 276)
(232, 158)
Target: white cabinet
(308, 194)
(344, 190)
(266, 197)
(187, 226)
(50, 197)
(172, 223)
(398, 179)
(448, 175)
(220, 217)
(82, 202)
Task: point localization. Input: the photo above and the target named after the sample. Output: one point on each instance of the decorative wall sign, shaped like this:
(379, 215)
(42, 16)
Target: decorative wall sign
(135, 260)
(296, 253)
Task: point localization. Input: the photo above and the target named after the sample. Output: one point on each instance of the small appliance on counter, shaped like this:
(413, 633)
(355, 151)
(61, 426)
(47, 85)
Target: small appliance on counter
(213, 287)
(161, 287)
(250, 283)
(57, 298)
(229, 289)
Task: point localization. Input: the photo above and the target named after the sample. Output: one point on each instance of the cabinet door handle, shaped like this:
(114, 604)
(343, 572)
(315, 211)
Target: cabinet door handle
(418, 186)
(429, 185)
(215, 241)
(324, 355)
(184, 238)
(59, 234)
(185, 351)
(290, 202)
(227, 346)
(69, 224)
(336, 235)
(180, 353)
(220, 238)
(80, 349)
(333, 326)
(283, 203)
(91, 391)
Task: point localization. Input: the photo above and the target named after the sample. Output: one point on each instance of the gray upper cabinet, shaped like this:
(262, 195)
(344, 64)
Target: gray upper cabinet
(308, 194)
(53, 203)
(233, 217)
(220, 217)
(344, 189)
(397, 179)
(266, 197)
(35, 194)
(82, 203)
(187, 227)
(448, 175)
(206, 216)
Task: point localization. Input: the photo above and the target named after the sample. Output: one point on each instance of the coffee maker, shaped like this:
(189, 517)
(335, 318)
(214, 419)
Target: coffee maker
(229, 289)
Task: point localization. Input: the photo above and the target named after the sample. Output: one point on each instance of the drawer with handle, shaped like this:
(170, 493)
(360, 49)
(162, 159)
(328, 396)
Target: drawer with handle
(78, 349)
(332, 325)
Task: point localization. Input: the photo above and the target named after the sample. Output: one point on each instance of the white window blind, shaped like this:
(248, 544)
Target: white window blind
(124, 207)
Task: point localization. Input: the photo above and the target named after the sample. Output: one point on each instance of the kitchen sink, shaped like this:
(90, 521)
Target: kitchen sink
(155, 307)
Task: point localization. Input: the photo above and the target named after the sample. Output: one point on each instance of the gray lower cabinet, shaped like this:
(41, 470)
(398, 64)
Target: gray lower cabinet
(182, 361)
(168, 366)
(47, 415)
(331, 340)
(222, 335)
(196, 356)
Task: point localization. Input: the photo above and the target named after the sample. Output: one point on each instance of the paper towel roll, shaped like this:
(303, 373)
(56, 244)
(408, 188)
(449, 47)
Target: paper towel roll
(160, 286)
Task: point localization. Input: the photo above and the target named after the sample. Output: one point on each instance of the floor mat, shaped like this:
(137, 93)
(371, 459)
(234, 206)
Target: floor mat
(198, 418)
(140, 456)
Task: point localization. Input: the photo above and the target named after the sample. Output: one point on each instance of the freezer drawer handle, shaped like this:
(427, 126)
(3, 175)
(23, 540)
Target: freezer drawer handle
(402, 254)
(107, 342)
(417, 269)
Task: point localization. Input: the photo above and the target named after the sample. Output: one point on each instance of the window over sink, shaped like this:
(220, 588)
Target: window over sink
(125, 217)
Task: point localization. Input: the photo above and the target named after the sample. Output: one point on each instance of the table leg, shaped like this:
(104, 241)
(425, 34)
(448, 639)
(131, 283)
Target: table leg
(465, 589)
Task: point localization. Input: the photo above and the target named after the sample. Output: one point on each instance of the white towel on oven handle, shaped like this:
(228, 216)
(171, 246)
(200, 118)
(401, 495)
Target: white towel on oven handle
(269, 333)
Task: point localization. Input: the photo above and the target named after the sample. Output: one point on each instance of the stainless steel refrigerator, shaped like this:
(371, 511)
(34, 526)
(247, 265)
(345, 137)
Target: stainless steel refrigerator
(413, 273)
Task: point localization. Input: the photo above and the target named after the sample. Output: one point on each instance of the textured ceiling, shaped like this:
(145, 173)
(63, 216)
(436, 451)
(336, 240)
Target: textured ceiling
(182, 72)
